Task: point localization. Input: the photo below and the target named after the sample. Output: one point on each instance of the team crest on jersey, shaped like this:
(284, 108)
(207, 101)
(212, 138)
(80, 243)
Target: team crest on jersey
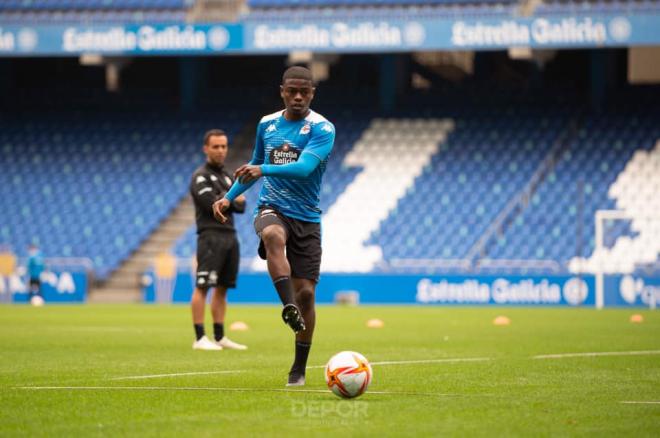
(284, 154)
(305, 129)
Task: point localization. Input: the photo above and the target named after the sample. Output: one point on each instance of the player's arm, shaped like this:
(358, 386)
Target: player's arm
(239, 187)
(317, 150)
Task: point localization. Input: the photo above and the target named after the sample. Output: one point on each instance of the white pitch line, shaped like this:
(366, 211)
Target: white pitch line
(406, 362)
(597, 354)
(641, 402)
(197, 373)
(166, 388)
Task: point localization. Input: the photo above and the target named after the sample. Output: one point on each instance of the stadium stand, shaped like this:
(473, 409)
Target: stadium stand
(298, 11)
(291, 3)
(85, 11)
(100, 186)
(550, 7)
(588, 177)
(485, 162)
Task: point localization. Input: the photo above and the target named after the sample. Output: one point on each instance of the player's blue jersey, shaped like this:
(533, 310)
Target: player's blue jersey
(280, 141)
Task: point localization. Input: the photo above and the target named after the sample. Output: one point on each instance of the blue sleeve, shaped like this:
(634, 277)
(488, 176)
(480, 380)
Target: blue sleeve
(259, 152)
(323, 139)
(238, 188)
(317, 150)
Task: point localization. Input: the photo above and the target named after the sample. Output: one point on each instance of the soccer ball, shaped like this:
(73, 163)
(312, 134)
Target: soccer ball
(37, 301)
(348, 374)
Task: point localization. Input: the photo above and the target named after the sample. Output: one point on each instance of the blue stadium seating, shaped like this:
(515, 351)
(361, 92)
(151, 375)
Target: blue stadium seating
(96, 185)
(485, 162)
(99, 187)
(320, 10)
(93, 4)
(319, 3)
(93, 11)
(549, 7)
(559, 222)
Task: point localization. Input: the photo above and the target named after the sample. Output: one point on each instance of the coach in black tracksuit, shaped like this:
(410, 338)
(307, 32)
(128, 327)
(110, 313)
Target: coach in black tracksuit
(218, 254)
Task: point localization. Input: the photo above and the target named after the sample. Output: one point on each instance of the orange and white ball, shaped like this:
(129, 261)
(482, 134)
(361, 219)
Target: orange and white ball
(348, 374)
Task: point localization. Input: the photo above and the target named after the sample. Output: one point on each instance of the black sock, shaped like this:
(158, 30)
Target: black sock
(302, 352)
(284, 289)
(199, 331)
(218, 330)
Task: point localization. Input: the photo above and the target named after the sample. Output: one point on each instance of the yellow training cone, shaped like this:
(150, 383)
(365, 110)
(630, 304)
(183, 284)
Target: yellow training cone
(636, 318)
(239, 326)
(375, 323)
(501, 320)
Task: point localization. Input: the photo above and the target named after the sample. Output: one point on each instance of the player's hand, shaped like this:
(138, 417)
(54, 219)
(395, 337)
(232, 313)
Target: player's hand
(248, 173)
(219, 207)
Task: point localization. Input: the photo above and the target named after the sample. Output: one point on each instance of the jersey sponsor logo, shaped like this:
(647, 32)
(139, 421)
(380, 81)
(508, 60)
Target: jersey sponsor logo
(271, 128)
(285, 154)
(305, 129)
(200, 179)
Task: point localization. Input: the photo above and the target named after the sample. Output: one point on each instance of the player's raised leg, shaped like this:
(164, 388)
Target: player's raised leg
(197, 305)
(274, 238)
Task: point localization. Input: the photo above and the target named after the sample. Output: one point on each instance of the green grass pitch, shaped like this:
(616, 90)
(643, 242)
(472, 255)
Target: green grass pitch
(98, 357)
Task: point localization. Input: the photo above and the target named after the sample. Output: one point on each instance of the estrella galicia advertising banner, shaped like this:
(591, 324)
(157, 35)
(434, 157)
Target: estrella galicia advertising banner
(57, 286)
(147, 39)
(455, 34)
(631, 290)
(340, 36)
(400, 289)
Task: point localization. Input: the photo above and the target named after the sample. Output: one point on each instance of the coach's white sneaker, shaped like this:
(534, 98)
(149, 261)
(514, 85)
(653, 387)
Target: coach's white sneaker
(227, 343)
(205, 343)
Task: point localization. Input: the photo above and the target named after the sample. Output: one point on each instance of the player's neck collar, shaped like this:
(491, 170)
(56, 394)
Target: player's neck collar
(309, 112)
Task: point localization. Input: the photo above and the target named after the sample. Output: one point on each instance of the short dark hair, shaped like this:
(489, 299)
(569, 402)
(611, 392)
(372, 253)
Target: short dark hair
(211, 132)
(298, 72)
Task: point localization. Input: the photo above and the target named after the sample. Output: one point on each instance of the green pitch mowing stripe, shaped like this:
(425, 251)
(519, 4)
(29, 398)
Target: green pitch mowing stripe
(427, 379)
